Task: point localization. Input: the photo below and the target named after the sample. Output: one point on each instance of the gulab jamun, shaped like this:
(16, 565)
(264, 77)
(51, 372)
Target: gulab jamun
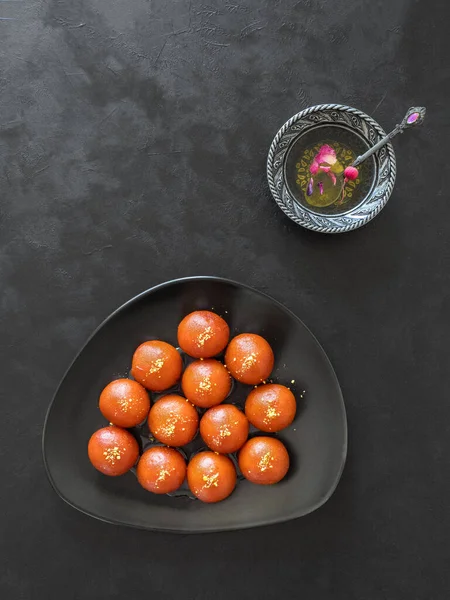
(173, 420)
(224, 428)
(156, 365)
(113, 450)
(124, 402)
(270, 407)
(206, 382)
(203, 334)
(264, 460)
(249, 358)
(161, 470)
(211, 477)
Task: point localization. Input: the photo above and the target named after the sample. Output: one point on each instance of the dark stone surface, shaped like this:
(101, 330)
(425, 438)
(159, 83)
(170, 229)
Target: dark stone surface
(133, 139)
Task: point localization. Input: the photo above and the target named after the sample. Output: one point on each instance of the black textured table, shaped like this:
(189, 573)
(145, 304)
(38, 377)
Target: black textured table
(133, 139)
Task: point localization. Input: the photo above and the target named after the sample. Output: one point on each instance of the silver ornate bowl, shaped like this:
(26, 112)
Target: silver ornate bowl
(341, 123)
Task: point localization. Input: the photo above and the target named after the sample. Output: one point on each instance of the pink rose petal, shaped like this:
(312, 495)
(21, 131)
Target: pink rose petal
(314, 167)
(326, 154)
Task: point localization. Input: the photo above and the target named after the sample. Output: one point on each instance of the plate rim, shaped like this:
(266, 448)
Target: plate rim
(252, 525)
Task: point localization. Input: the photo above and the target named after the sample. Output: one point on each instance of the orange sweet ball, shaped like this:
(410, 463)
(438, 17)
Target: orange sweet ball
(206, 382)
(270, 407)
(211, 477)
(249, 358)
(173, 420)
(113, 451)
(203, 334)
(264, 460)
(156, 365)
(124, 402)
(224, 428)
(161, 470)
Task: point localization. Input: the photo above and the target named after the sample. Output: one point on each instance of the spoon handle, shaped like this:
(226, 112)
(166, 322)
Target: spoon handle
(413, 117)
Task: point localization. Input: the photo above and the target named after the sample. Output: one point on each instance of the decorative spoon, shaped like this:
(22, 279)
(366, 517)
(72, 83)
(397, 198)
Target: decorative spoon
(414, 117)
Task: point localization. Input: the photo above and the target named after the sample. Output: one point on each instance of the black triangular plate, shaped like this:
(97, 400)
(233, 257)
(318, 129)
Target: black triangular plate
(317, 440)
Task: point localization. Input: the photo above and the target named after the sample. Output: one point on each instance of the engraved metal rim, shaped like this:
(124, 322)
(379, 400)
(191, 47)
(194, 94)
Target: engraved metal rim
(361, 214)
